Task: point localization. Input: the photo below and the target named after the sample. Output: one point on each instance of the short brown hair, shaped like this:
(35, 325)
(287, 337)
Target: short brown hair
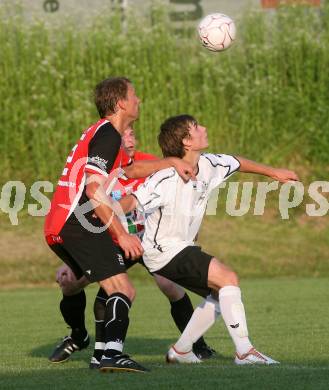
(108, 92)
(172, 132)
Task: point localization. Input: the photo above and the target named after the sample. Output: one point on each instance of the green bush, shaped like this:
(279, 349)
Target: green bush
(266, 97)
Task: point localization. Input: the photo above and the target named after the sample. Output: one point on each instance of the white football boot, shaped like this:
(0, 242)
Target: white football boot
(253, 357)
(173, 356)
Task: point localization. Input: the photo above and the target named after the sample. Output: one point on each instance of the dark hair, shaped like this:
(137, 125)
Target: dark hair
(108, 92)
(172, 132)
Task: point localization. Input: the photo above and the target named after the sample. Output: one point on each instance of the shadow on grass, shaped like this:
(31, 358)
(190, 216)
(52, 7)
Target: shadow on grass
(133, 346)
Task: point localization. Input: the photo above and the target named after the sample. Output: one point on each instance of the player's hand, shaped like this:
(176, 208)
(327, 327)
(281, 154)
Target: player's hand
(184, 169)
(65, 276)
(284, 175)
(131, 246)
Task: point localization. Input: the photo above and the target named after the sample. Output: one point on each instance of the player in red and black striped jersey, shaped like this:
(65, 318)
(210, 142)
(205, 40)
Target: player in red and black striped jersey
(81, 215)
(74, 300)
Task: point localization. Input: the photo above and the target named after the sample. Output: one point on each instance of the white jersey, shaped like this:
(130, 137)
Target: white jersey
(174, 209)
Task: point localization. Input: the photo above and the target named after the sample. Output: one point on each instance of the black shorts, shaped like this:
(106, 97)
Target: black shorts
(189, 269)
(93, 255)
(130, 263)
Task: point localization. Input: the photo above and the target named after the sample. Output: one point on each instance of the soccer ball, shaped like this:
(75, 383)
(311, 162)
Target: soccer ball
(217, 32)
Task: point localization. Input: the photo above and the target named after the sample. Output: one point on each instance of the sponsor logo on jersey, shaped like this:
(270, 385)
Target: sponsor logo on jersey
(201, 187)
(52, 239)
(100, 162)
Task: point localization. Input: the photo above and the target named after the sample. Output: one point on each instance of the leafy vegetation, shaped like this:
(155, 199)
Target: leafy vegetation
(266, 97)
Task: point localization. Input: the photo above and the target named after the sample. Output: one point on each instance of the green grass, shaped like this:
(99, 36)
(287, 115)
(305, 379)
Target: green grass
(286, 318)
(266, 97)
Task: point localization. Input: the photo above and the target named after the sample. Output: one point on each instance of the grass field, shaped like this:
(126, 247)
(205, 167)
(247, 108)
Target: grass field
(287, 319)
(265, 98)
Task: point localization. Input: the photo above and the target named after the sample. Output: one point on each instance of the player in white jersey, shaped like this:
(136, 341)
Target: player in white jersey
(174, 210)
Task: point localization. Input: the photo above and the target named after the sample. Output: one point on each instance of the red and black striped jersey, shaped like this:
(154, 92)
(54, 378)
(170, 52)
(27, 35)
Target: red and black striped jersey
(97, 151)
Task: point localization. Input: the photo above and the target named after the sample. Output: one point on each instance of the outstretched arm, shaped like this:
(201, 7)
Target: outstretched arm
(145, 168)
(281, 175)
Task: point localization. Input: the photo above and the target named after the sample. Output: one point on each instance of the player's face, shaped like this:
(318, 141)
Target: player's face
(129, 141)
(198, 137)
(132, 103)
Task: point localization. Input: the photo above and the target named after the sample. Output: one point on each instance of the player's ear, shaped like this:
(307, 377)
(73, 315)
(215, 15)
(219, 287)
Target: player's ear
(186, 142)
(121, 104)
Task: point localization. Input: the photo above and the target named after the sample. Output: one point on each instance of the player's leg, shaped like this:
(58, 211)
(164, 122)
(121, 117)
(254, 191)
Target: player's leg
(73, 302)
(101, 261)
(121, 294)
(189, 269)
(203, 317)
(197, 271)
(72, 307)
(99, 315)
(182, 311)
(222, 278)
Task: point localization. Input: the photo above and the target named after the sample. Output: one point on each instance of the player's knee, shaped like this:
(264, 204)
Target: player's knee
(119, 285)
(170, 289)
(231, 278)
(128, 291)
(131, 293)
(127, 288)
(173, 292)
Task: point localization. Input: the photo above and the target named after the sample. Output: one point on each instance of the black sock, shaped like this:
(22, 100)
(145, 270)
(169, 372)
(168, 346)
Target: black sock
(181, 312)
(116, 323)
(99, 312)
(73, 311)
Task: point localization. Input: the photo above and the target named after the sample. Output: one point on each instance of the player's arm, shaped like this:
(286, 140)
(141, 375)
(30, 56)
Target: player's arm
(151, 195)
(104, 209)
(128, 203)
(281, 175)
(102, 152)
(146, 168)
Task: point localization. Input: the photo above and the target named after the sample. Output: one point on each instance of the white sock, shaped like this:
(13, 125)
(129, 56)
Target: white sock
(203, 317)
(234, 316)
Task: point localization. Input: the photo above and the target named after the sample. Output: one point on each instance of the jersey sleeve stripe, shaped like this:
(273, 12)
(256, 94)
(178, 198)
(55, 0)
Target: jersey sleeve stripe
(156, 245)
(229, 171)
(165, 178)
(136, 197)
(93, 169)
(238, 167)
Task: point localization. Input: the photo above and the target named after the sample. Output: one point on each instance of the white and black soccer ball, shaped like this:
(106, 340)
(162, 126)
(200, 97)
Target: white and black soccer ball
(217, 32)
